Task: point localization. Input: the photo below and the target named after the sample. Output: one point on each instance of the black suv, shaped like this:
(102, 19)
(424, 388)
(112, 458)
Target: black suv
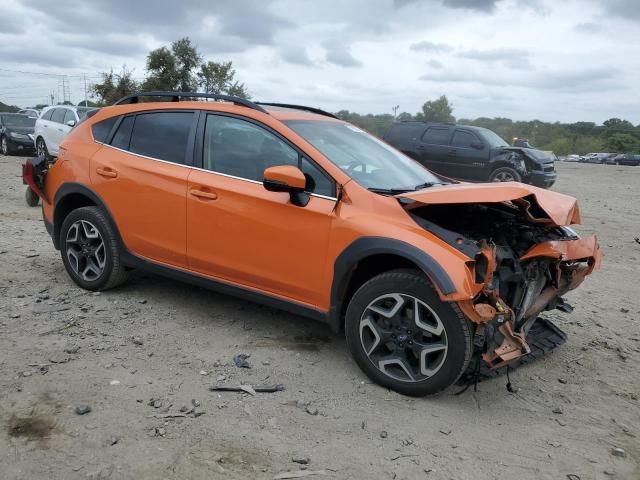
(471, 153)
(16, 133)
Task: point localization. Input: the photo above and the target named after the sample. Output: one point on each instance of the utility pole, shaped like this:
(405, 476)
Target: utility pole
(395, 110)
(84, 76)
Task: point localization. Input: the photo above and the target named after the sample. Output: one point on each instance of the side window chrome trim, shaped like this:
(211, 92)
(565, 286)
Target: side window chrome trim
(191, 167)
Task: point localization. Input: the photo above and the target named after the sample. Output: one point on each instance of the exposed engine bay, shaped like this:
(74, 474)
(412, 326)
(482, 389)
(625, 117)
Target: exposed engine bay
(523, 263)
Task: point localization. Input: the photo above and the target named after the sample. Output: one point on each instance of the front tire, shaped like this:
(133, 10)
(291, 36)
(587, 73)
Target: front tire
(505, 174)
(404, 337)
(4, 146)
(89, 249)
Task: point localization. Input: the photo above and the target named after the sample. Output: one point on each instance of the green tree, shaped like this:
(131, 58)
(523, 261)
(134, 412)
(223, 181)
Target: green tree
(162, 71)
(187, 59)
(439, 110)
(218, 77)
(622, 142)
(114, 86)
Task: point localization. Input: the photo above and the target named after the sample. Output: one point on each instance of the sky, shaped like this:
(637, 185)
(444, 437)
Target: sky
(550, 60)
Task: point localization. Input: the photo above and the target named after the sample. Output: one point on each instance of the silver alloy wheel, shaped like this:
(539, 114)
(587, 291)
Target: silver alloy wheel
(86, 251)
(5, 146)
(403, 337)
(503, 177)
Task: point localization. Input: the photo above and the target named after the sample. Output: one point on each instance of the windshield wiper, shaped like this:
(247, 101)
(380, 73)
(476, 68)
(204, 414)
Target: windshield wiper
(389, 191)
(427, 185)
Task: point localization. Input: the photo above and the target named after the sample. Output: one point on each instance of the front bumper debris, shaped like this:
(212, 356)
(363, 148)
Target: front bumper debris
(505, 336)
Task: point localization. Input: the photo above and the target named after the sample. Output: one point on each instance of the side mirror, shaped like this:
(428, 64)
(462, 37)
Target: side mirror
(477, 145)
(287, 178)
(71, 123)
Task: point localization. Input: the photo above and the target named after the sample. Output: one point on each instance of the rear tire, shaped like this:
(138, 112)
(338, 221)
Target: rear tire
(30, 196)
(412, 353)
(89, 249)
(505, 174)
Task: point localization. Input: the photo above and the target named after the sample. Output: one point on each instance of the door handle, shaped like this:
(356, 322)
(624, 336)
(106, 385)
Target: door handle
(107, 172)
(202, 194)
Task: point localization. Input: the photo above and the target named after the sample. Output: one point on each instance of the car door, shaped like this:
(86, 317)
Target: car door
(433, 148)
(141, 175)
(239, 232)
(469, 157)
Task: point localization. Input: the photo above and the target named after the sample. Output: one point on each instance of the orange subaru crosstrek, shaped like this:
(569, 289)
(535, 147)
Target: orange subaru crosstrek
(290, 206)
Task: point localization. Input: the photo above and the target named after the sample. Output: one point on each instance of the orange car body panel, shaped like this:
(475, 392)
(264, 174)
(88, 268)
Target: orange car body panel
(235, 231)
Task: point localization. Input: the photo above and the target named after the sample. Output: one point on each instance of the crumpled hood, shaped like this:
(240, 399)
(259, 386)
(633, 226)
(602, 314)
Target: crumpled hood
(542, 206)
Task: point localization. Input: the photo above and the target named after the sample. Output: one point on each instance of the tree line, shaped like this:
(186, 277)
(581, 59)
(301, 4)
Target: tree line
(614, 135)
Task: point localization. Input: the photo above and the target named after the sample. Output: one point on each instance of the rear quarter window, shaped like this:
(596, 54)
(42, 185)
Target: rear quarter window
(403, 135)
(101, 130)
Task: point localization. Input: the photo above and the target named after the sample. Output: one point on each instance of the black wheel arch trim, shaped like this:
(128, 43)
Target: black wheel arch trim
(364, 247)
(71, 188)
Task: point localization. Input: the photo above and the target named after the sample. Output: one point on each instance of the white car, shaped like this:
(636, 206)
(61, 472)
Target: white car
(52, 126)
(31, 112)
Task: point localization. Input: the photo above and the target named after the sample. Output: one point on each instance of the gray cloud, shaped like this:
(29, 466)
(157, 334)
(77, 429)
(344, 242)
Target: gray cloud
(296, 55)
(426, 46)
(627, 9)
(510, 57)
(435, 63)
(487, 6)
(340, 54)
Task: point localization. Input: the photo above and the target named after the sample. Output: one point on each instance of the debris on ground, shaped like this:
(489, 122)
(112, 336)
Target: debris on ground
(312, 411)
(137, 341)
(299, 474)
(241, 360)
(301, 460)
(384, 434)
(618, 452)
(250, 389)
(82, 409)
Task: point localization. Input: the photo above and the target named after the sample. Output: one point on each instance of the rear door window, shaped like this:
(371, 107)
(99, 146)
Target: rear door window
(162, 135)
(436, 136)
(123, 135)
(463, 139)
(58, 115)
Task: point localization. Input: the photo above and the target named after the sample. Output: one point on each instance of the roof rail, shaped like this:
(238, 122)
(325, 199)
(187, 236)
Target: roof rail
(299, 107)
(176, 96)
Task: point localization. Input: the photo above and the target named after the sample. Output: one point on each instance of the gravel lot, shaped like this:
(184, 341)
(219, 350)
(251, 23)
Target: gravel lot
(147, 351)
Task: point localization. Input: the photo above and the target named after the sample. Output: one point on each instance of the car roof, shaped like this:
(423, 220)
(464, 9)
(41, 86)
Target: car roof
(277, 112)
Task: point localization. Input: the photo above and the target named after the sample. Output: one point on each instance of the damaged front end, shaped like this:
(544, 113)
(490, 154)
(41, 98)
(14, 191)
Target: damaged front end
(523, 257)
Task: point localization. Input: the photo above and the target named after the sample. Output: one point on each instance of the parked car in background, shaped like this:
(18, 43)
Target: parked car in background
(596, 157)
(16, 133)
(471, 153)
(632, 159)
(31, 112)
(572, 158)
(52, 126)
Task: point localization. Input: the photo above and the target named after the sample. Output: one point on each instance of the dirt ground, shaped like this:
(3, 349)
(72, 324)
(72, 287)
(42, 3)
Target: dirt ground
(141, 353)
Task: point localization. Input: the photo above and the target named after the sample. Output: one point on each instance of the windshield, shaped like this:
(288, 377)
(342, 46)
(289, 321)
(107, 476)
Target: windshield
(18, 121)
(369, 161)
(493, 139)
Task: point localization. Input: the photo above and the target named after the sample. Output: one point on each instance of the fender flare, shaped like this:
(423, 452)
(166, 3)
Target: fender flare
(365, 247)
(71, 188)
